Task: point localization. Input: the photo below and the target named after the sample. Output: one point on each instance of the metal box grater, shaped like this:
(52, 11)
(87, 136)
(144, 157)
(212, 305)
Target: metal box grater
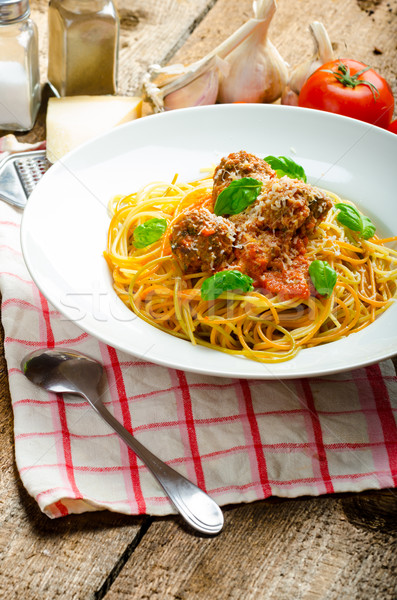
(19, 175)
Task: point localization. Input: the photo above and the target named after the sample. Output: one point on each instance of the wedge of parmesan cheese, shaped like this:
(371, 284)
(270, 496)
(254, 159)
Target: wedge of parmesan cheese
(71, 121)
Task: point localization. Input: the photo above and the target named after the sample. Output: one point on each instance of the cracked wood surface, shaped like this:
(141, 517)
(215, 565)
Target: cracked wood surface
(340, 547)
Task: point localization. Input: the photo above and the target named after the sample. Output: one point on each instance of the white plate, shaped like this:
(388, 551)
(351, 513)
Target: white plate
(65, 223)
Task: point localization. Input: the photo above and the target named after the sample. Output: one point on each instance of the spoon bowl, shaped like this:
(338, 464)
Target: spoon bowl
(62, 371)
(67, 371)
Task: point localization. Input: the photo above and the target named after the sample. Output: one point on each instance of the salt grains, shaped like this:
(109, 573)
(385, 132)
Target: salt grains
(15, 110)
(19, 67)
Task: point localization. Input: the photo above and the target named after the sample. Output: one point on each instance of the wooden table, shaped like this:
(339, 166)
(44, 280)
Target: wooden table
(338, 547)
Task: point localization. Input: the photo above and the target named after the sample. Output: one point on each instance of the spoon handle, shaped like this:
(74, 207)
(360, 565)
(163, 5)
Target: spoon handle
(197, 508)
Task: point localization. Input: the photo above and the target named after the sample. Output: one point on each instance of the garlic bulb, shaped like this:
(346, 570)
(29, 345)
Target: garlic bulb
(257, 71)
(198, 83)
(322, 53)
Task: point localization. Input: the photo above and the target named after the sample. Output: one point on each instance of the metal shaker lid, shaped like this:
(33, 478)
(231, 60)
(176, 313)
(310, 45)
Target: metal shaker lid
(12, 11)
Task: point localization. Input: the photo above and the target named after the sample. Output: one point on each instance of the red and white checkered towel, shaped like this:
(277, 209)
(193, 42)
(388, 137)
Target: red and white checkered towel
(239, 440)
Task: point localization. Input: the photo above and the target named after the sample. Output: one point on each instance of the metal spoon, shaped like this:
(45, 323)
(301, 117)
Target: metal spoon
(66, 371)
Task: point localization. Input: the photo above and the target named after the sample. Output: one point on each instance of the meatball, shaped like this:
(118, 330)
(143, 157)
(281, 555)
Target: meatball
(201, 241)
(319, 205)
(283, 205)
(238, 165)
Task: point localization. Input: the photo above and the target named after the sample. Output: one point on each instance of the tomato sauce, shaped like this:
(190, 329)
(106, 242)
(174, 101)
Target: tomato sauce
(289, 277)
(292, 282)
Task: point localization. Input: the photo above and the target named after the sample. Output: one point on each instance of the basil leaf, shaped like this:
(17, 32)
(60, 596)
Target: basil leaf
(237, 196)
(350, 217)
(368, 228)
(286, 166)
(223, 281)
(149, 232)
(323, 277)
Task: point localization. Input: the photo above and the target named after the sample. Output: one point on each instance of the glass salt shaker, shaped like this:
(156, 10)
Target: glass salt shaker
(83, 47)
(19, 67)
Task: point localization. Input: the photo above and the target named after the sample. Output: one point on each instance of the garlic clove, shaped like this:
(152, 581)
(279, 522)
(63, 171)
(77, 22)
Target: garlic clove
(200, 91)
(258, 73)
(289, 96)
(194, 85)
(323, 53)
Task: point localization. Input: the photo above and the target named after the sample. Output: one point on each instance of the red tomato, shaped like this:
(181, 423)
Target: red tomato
(393, 126)
(349, 88)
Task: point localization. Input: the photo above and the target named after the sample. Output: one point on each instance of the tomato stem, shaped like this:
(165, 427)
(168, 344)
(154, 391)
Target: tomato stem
(343, 75)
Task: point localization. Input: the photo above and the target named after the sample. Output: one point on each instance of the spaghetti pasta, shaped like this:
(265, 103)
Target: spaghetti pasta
(258, 324)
